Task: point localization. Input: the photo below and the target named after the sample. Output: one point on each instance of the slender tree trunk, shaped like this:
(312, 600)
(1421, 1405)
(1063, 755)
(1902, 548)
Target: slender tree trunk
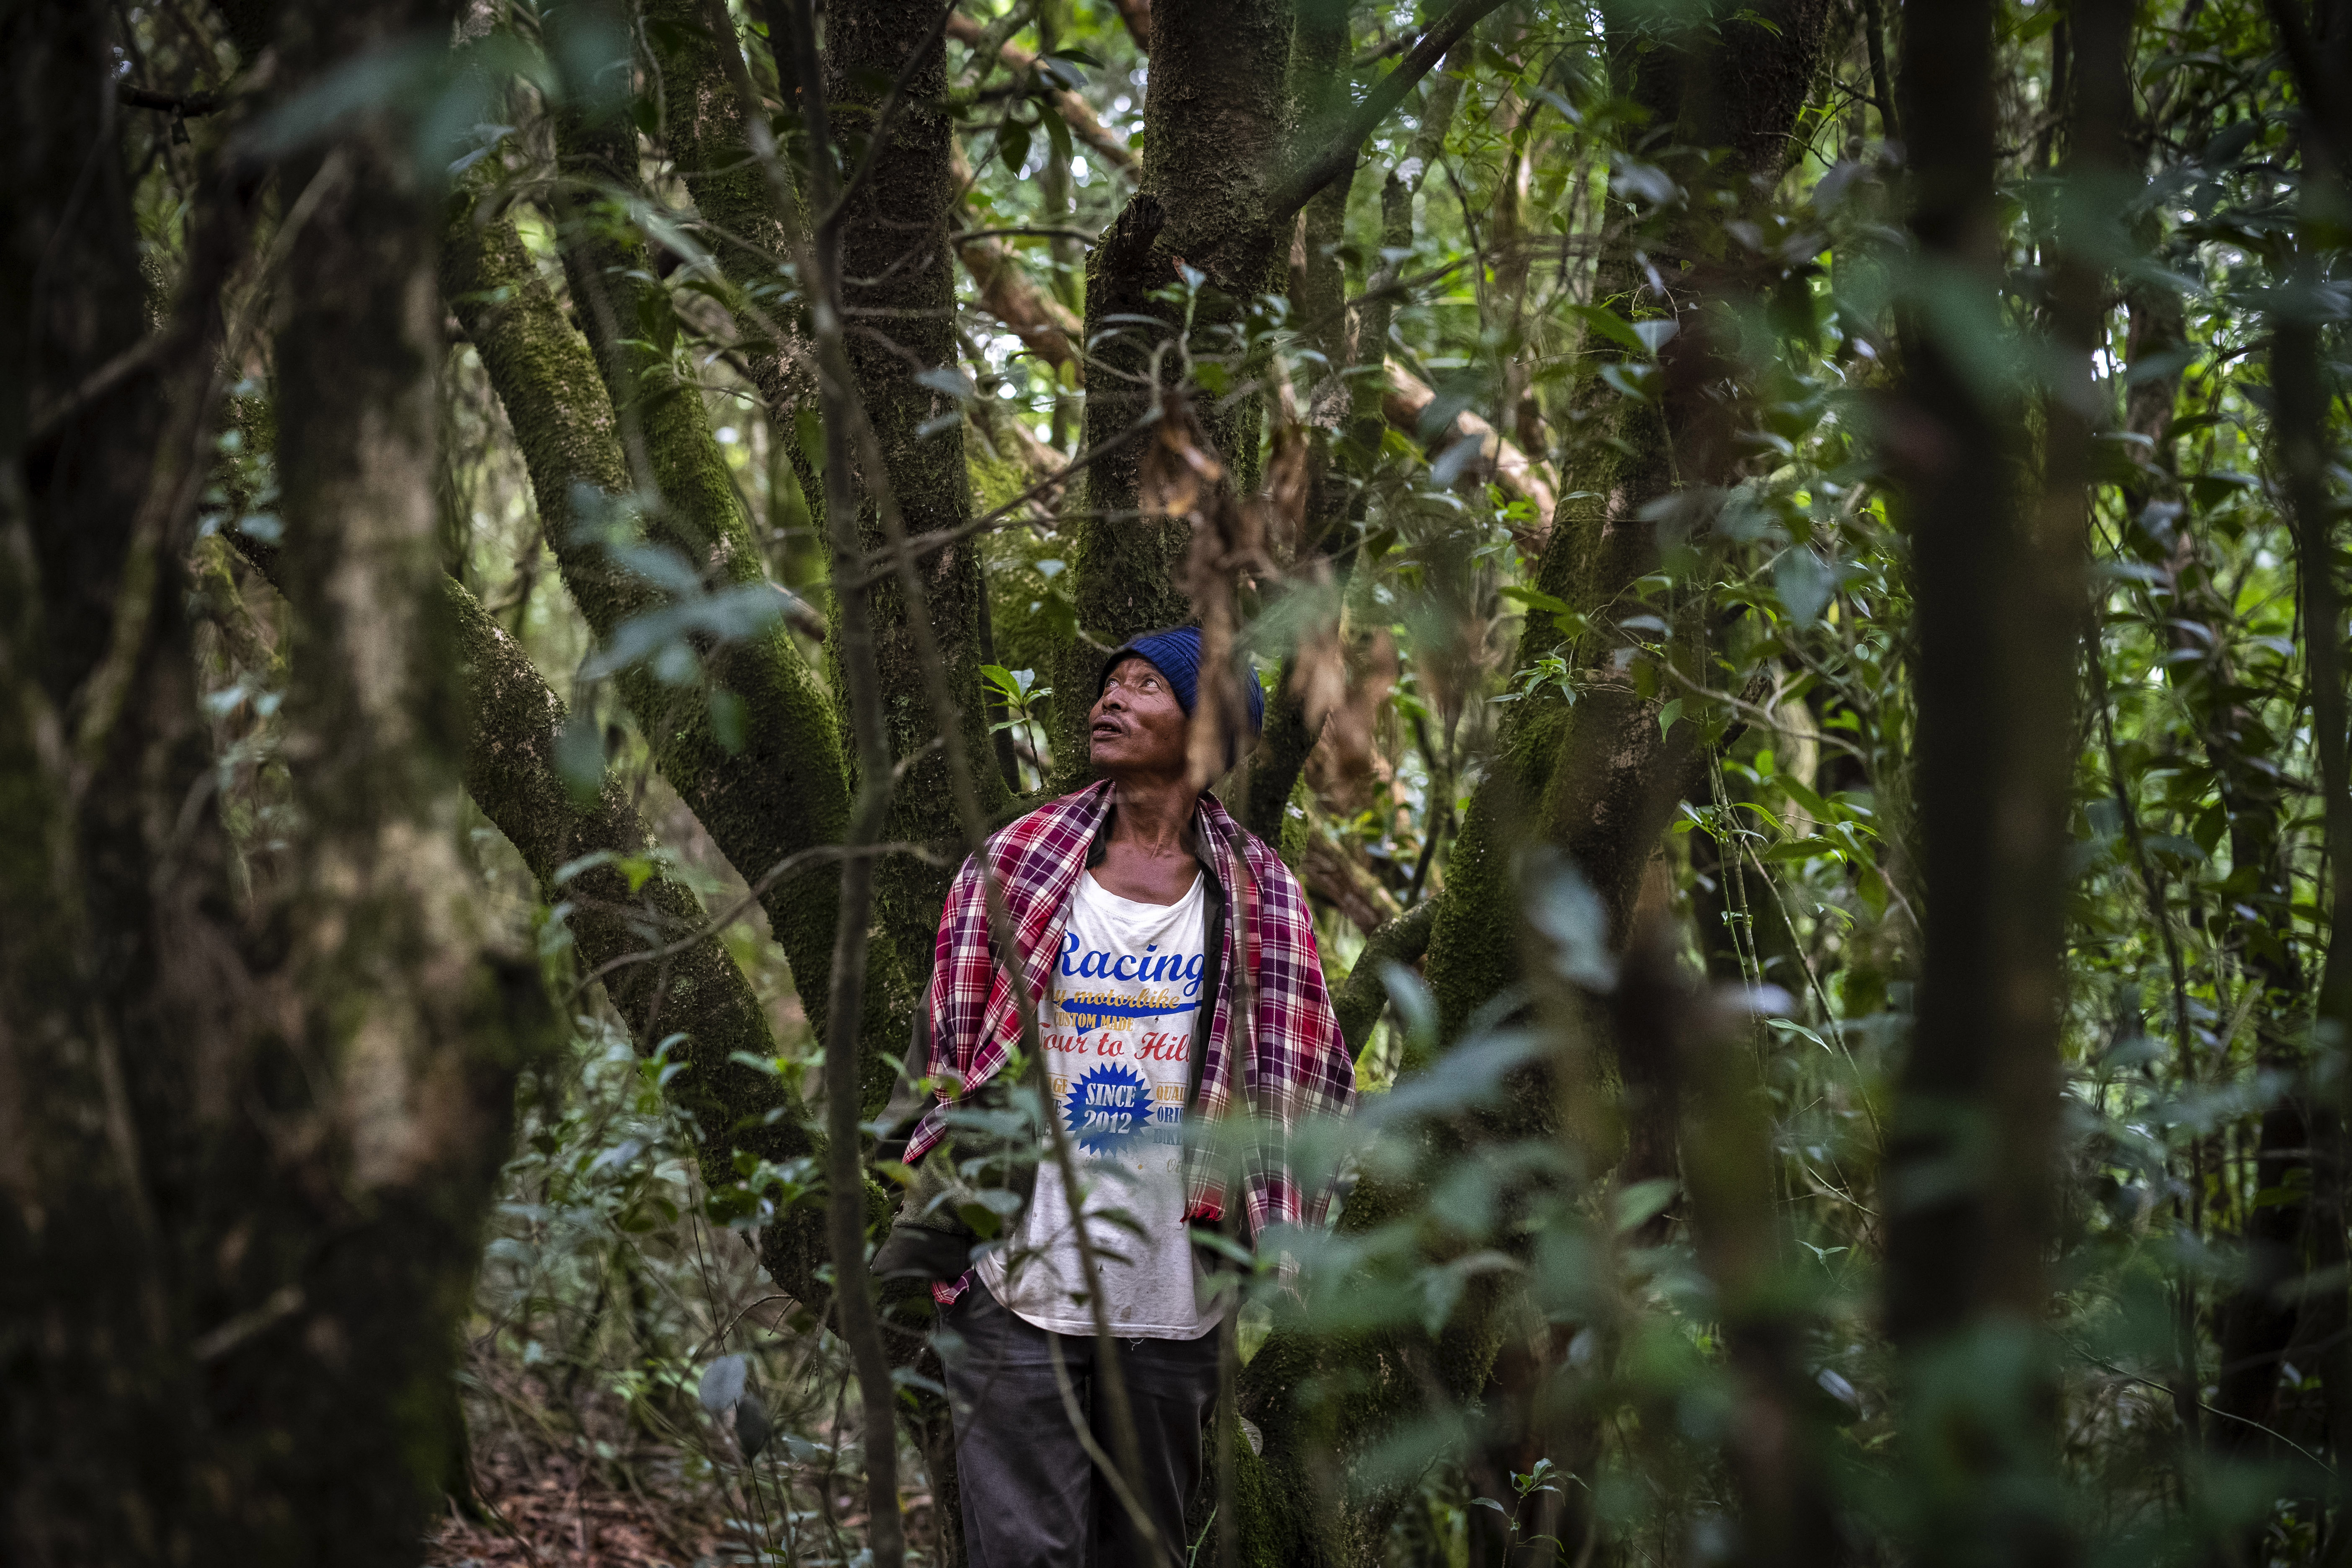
(1971, 1162)
(1778, 1447)
(2304, 449)
(782, 793)
(1599, 778)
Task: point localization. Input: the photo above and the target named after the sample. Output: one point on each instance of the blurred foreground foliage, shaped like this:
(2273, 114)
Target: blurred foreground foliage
(2197, 1399)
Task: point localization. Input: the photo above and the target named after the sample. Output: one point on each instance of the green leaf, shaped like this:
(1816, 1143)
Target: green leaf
(751, 1426)
(728, 721)
(1012, 146)
(658, 319)
(1612, 326)
(1638, 382)
(722, 1383)
(1537, 599)
(1814, 805)
(1804, 583)
(1634, 1206)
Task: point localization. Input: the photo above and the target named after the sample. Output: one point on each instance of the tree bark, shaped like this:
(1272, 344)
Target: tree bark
(898, 302)
(1215, 115)
(784, 792)
(253, 1136)
(665, 972)
(1970, 1165)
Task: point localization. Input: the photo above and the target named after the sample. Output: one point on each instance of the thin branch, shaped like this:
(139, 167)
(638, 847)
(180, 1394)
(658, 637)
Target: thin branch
(859, 1322)
(1314, 173)
(752, 895)
(1033, 231)
(881, 562)
(187, 106)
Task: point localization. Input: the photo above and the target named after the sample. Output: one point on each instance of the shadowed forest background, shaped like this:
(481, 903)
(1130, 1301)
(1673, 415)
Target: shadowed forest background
(1796, 555)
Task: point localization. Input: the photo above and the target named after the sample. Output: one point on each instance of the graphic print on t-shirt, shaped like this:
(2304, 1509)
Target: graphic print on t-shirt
(1117, 1026)
(1106, 1107)
(1125, 992)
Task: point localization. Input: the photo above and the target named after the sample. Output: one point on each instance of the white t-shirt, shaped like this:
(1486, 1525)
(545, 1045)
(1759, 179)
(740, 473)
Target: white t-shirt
(1117, 1031)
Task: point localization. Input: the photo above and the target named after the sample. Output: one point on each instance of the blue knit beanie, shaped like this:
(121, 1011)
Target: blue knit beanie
(1176, 653)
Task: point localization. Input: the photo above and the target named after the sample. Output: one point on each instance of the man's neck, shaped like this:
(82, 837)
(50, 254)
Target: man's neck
(1154, 814)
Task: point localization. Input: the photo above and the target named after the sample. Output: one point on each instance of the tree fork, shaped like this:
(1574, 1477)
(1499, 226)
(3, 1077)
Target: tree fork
(784, 792)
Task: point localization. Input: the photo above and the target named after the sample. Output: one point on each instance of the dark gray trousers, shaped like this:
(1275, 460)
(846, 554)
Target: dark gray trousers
(1032, 1497)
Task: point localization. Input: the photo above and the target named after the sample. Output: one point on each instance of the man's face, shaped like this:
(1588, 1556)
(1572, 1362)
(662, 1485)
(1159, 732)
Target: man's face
(1138, 727)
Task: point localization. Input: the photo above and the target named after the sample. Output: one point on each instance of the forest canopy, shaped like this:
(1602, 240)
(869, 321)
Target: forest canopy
(1794, 557)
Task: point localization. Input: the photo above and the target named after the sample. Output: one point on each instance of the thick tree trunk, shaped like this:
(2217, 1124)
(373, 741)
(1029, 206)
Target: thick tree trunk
(252, 1140)
(1215, 115)
(751, 212)
(898, 287)
(785, 787)
(666, 972)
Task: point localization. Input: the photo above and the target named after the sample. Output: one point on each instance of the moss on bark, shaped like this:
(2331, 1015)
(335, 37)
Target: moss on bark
(695, 988)
(745, 222)
(899, 288)
(783, 790)
(350, 1132)
(1217, 120)
(1361, 998)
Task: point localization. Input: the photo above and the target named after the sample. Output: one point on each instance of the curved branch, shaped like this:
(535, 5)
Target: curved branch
(1360, 999)
(1073, 108)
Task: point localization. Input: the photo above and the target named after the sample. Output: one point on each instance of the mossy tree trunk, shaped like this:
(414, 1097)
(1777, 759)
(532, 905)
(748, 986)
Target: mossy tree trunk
(772, 783)
(1320, 55)
(751, 214)
(1216, 118)
(782, 792)
(882, 58)
(255, 1124)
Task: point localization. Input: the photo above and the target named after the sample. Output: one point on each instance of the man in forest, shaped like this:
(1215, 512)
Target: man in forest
(1161, 943)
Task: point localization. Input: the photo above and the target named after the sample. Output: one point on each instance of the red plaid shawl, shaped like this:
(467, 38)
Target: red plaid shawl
(1293, 1063)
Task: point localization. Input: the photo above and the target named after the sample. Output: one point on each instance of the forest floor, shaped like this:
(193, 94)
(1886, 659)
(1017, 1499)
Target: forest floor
(597, 1490)
(563, 1510)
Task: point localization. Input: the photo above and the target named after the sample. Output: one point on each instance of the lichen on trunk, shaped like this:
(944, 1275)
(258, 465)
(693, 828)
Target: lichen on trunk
(898, 288)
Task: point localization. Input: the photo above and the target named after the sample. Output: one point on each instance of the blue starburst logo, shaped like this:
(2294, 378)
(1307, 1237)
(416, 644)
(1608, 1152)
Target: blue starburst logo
(1107, 1106)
